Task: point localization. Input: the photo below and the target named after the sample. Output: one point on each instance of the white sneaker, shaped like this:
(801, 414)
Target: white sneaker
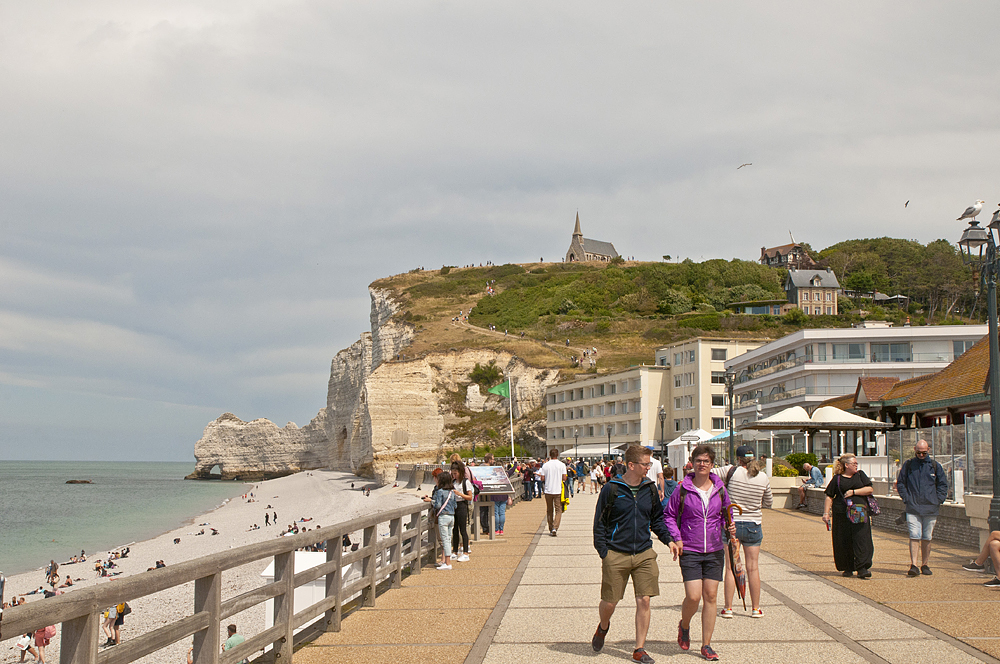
(443, 566)
(756, 613)
(463, 558)
(726, 613)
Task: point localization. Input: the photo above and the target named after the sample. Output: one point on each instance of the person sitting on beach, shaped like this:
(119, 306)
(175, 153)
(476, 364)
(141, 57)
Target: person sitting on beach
(68, 582)
(214, 531)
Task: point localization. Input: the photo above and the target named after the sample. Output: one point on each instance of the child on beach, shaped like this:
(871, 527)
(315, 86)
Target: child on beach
(443, 500)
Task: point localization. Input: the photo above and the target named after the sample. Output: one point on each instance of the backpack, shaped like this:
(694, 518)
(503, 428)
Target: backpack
(477, 487)
(606, 514)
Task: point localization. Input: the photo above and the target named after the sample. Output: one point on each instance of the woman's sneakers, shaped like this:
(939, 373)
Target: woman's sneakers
(709, 654)
(756, 613)
(443, 566)
(683, 637)
(640, 655)
(726, 613)
(464, 558)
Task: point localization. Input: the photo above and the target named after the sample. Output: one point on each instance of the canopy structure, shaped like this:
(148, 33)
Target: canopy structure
(826, 418)
(593, 450)
(795, 417)
(833, 418)
(679, 449)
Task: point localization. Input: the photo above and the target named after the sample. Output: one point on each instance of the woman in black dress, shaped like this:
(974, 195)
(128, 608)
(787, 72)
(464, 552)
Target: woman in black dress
(852, 542)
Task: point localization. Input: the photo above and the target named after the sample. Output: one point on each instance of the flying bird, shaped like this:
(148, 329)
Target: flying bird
(906, 203)
(742, 165)
(972, 211)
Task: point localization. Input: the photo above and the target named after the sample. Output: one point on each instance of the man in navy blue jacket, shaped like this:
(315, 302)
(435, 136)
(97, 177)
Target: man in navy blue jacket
(627, 509)
(922, 485)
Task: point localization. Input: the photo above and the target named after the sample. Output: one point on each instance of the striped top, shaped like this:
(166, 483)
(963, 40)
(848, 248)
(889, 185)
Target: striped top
(750, 493)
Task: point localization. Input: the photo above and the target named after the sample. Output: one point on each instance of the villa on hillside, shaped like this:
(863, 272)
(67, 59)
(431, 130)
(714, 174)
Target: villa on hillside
(813, 291)
(791, 256)
(585, 249)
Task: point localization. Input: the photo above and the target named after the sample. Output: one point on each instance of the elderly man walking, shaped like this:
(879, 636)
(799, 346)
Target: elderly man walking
(922, 485)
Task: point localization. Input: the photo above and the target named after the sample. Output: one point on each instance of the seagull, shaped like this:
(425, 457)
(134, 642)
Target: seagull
(972, 211)
(742, 165)
(906, 203)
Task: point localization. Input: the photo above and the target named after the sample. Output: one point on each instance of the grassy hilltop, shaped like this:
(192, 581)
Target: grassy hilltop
(625, 310)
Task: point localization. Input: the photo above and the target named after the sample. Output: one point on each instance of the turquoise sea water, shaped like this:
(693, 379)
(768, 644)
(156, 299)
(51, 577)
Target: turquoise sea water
(43, 518)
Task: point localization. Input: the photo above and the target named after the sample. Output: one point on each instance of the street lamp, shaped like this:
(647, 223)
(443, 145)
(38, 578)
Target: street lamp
(979, 249)
(730, 381)
(610, 428)
(576, 440)
(663, 450)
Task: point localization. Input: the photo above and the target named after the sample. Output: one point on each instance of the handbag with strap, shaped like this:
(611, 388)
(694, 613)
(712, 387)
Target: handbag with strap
(856, 513)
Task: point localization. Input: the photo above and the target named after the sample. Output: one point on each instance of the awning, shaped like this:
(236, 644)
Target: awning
(593, 449)
(826, 418)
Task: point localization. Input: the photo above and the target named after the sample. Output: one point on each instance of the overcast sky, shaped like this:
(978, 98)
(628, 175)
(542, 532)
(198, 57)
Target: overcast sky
(195, 195)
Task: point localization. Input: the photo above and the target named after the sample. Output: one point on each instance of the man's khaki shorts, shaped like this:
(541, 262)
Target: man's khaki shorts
(616, 569)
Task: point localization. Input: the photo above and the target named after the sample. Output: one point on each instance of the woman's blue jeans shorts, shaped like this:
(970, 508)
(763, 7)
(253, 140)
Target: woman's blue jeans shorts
(749, 533)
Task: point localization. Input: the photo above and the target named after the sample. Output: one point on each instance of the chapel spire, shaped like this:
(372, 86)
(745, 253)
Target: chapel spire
(577, 231)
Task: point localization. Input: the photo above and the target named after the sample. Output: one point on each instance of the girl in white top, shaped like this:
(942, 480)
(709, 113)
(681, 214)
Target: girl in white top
(593, 478)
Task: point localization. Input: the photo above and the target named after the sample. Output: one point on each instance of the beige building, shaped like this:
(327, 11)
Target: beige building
(697, 387)
(580, 413)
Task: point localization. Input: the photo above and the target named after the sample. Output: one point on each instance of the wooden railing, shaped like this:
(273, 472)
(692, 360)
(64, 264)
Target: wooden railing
(382, 561)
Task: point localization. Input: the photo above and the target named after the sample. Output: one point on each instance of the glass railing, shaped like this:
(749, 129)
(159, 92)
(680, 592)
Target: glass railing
(875, 358)
(796, 392)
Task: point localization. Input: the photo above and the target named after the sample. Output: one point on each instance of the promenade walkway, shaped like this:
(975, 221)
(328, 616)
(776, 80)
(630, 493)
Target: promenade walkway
(532, 597)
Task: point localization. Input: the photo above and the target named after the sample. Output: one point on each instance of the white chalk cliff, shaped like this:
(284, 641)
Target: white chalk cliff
(379, 411)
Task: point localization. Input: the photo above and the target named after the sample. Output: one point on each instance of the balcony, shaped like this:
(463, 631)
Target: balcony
(877, 358)
(795, 393)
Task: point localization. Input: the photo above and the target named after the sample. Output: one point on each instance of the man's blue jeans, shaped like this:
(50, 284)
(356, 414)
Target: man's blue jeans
(570, 481)
(501, 514)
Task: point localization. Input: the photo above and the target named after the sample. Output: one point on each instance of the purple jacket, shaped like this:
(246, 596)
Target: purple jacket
(700, 533)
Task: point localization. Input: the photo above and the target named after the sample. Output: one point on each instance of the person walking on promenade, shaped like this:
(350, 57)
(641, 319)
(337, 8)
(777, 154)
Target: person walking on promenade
(990, 550)
(814, 479)
(443, 501)
(596, 468)
(655, 475)
(669, 484)
(922, 486)
(852, 540)
(570, 477)
(627, 510)
(553, 473)
(697, 524)
(463, 498)
(750, 489)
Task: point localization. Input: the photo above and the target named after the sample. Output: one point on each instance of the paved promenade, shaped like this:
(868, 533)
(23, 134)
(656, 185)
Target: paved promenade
(532, 597)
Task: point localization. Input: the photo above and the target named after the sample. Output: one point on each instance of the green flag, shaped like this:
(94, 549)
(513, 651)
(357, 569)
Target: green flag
(503, 389)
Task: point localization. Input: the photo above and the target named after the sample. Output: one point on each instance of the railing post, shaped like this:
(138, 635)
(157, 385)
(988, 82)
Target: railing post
(78, 643)
(474, 506)
(396, 551)
(208, 597)
(335, 583)
(491, 514)
(368, 566)
(284, 605)
(417, 543)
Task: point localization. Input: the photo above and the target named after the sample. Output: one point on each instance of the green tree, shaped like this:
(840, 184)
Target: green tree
(486, 375)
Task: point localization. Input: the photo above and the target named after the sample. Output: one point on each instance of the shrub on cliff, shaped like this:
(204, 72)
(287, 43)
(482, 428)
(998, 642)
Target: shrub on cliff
(486, 375)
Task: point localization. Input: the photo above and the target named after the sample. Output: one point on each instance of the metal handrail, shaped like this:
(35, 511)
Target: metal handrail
(79, 611)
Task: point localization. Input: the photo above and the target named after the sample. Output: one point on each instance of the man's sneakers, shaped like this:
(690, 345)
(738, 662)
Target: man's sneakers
(726, 613)
(973, 566)
(598, 641)
(552, 532)
(913, 571)
(993, 584)
(709, 654)
(640, 655)
(800, 506)
(925, 570)
(683, 637)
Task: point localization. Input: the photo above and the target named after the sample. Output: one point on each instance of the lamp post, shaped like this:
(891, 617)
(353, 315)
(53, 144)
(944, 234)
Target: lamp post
(576, 440)
(663, 450)
(730, 381)
(979, 249)
(610, 428)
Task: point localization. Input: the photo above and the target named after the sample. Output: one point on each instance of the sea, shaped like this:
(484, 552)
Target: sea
(42, 518)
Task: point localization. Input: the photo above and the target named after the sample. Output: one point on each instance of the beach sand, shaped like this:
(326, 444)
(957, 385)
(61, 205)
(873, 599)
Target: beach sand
(324, 496)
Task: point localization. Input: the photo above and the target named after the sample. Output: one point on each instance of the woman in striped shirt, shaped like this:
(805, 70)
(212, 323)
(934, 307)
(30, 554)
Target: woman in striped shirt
(750, 489)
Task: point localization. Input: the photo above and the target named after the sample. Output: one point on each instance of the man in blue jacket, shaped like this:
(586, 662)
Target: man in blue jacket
(627, 509)
(922, 485)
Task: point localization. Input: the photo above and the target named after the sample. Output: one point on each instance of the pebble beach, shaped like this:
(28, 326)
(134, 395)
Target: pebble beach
(324, 497)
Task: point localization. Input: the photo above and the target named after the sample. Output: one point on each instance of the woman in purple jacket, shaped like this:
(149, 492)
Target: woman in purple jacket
(694, 517)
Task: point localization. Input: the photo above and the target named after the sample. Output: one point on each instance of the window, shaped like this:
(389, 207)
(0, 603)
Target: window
(683, 424)
(829, 296)
(638, 406)
(611, 408)
(579, 414)
(718, 399)
(821, 352)
(808, 352)
(719, 354)
(572, 395)
(552, 416)
(677, 403)
(581, 393)
(624, 407)
(623, 428)
(690, 356)
(891, 352)
(677, 380)
(719, 423)
(960, 347)
(678, 358)
(602, 389)
(570, 414)
(590, 432)
(718, 377)
(601, 409)
(805, 296)
(689, 379)
(552, 399)
(662, 360)
(849, 352)
(614, 388)
(829, 311)
(689, 401)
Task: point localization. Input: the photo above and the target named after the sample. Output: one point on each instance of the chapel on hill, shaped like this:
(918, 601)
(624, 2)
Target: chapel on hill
(585, 249)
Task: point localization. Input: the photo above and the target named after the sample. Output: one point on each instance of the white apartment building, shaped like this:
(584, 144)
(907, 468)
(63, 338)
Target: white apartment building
(810, 366)
(581, 413)
(697, 398)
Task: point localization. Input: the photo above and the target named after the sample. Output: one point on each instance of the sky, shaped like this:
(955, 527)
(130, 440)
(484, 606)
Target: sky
(194, 196)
